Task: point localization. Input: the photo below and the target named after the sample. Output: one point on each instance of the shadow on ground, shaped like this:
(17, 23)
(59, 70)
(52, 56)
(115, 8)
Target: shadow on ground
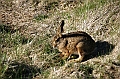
(102, 48)
(6, 29)
(20, 71)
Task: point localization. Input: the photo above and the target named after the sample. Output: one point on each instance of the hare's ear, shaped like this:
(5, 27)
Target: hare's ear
(60, 29)
(61, 26)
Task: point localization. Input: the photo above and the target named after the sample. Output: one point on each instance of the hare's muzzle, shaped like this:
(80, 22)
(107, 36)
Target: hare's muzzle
(54, 45)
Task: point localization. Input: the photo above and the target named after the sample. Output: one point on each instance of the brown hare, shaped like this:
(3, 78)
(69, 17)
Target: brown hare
(73, 43)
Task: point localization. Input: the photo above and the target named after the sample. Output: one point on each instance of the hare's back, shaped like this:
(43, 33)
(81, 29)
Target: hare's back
(80, 39)
(77, 34)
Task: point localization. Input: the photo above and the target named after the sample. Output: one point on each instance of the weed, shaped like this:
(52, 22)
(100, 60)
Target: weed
(41, 17)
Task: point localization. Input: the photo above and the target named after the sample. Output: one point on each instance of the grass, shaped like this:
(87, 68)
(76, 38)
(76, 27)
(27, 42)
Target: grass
(66, 15)
(41, 17)
(40, 50)
(7, 3)
(3, 66)
(46, 74)
(86, 68)
(114, 29)
(51, 5)
(17, 70)
(9, 40)
(91, 4)
(19, 53)
(12, 40)
(118, 57)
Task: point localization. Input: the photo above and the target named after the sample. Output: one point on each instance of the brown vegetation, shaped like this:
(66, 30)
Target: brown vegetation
(26, 28)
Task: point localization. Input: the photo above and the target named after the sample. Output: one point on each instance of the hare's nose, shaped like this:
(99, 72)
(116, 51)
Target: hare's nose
(54, 47)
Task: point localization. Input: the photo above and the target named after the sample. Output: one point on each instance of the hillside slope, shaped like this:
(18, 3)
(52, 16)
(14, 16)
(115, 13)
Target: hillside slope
(26, 29)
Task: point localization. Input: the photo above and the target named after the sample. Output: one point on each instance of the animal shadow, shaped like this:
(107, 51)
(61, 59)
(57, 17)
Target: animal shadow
(102, 48)
(17, 70)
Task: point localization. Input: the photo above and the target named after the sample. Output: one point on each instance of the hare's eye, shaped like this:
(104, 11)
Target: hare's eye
(57, 40)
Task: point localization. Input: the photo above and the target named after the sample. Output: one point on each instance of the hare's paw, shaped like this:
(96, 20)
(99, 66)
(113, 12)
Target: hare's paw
(75, 60)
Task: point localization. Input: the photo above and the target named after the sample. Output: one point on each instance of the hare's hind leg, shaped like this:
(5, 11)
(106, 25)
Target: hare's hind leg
(81, 55)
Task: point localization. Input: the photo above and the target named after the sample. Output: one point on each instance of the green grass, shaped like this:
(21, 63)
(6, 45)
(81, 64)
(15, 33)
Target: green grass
(92, 4)
(40, 17)
(9, 40)
(41, 47)
(12, 40)
(47, 52)
(46, 74)
(118, 57)
(10, 37)
(87, 69)
(3, 66)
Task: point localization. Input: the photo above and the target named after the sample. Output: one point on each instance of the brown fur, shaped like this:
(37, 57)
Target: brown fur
(75, 42)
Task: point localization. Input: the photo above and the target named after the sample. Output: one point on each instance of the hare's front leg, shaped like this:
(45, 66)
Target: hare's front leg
(64, 53)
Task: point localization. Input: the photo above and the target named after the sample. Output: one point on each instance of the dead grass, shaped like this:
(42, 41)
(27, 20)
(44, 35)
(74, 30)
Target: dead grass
(26, 53)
